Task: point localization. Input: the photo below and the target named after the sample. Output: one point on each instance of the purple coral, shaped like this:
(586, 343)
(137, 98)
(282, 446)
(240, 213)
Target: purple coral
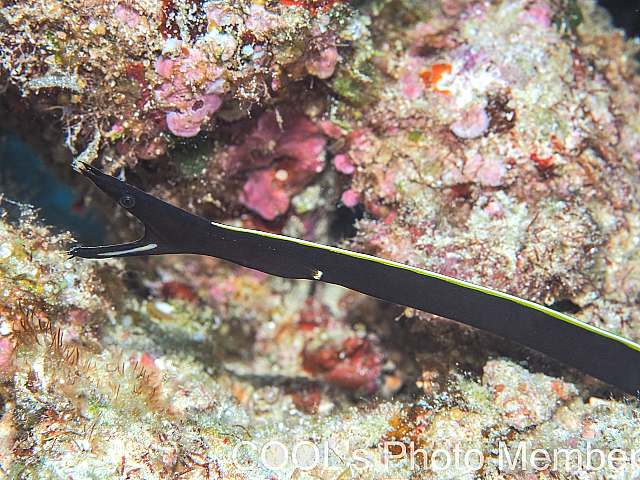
(187, 122)
(264, 194)
(281, 154)
(186, 110)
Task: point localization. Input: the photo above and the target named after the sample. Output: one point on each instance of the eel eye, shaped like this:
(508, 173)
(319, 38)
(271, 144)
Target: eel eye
(127, 201)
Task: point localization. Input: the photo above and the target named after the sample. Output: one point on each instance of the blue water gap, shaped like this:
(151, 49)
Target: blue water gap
(24, 179)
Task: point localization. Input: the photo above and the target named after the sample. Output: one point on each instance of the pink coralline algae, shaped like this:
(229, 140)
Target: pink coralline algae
(186, 111)
(350, 198)
(127, 15)
(541, 15)
(222, 17)
(473, 125)
(524, 398)
(260, 21)
(494, 210)
(413, 85)
(323, 64)
(6, 350)
(281, 155)
(343, 164)
(486, 170)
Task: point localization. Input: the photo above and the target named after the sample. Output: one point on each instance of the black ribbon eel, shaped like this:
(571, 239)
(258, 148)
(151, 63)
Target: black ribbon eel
(169, 229)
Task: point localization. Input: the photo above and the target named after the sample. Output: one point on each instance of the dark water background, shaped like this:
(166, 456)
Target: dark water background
(625, 14)
(24, 179)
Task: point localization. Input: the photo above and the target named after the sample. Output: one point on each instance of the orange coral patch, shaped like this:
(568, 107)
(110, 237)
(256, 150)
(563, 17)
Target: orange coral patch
(426, 78)
(438, 70)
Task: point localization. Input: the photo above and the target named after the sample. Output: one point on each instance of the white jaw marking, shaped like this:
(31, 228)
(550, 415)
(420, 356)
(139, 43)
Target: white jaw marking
(151, 246)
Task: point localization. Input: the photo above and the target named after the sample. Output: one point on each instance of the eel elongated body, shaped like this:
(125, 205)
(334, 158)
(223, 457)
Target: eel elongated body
(169, 229)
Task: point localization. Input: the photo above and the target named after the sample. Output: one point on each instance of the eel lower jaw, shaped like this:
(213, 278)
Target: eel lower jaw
(108, 251)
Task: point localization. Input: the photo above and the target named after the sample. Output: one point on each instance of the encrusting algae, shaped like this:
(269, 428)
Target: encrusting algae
(496, 142)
